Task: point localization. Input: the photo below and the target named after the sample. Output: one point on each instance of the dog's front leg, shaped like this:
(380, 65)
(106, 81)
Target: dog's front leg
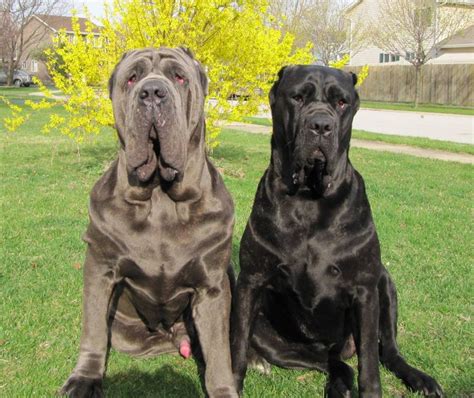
(366, 338)
(243, 314)
(86, 379)
(211, 313)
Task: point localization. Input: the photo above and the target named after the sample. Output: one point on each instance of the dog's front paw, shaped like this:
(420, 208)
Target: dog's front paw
(82, 387)
(337, 389)
(424, 384)
(224, 392)
(259, 364)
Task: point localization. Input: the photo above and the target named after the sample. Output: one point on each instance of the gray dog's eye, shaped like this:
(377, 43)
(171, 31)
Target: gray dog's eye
(132, 80)
(179, 78)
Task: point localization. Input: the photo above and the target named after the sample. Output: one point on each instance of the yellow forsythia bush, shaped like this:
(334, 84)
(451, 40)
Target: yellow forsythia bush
(239, 49)
(241, 52)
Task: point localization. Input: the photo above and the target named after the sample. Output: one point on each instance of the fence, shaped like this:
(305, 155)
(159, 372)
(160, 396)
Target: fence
(439, 84)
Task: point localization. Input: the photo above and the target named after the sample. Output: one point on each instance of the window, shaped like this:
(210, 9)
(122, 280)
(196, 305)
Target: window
(386, 58)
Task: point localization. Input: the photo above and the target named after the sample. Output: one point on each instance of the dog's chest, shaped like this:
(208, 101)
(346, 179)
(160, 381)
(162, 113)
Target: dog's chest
(324, 236)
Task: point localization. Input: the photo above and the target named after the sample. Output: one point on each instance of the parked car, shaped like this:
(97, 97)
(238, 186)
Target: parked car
(20, 78)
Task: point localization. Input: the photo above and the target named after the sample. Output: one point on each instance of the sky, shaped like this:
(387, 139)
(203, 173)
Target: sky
(95, 7)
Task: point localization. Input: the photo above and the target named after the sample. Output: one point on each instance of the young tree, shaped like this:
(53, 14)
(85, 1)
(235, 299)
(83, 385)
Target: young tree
(321, 23)
(15, 16)
(288, 16)
(330, 32)
(231, 38)
(414, 28)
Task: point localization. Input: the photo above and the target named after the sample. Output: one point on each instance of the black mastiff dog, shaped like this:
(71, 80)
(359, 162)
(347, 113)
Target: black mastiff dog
(311, 273)
(159, 238)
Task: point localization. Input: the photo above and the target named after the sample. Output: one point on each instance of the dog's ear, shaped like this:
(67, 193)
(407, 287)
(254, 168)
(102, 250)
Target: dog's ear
(187, 51)
(202, 74)
(203, 78)
(114, 73)
(274, 88)
(354, 78)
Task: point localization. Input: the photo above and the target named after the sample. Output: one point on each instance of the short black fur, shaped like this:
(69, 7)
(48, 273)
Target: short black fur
(312, 283)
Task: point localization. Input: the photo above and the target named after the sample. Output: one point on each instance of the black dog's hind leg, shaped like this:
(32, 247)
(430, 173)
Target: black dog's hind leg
(390, 355)
(292, 355)
(287, 354)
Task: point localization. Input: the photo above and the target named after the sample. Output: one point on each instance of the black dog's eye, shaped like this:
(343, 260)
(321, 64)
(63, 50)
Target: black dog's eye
(132, 80)
(298, 98)
(341, 104)
(179, 78)
(333, 270)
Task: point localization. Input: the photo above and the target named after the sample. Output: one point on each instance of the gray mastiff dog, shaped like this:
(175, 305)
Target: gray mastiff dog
(157, 270)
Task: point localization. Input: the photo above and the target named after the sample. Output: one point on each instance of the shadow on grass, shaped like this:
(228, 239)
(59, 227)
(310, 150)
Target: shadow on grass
(165, 383)
(95, 158)
(229, 152)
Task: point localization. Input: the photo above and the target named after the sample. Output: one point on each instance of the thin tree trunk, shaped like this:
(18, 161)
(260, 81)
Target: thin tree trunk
(417, 84)
(10, 72)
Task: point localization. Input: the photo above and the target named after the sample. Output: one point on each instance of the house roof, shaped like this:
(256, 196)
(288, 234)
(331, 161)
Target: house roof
(57, 22)
(461, 40)
(467, 3)
(352, 5)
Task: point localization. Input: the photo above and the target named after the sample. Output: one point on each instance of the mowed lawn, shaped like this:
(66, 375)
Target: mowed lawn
(423, 212)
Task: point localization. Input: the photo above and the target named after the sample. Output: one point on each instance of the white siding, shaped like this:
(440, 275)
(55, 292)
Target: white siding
(367, 11)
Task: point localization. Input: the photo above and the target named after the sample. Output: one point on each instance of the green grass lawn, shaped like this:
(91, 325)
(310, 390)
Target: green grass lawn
(391, 139)
(404, 106)
(422, 209)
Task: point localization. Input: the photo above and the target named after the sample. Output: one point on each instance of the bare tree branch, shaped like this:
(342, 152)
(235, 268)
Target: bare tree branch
(14, 37)
(321, 22)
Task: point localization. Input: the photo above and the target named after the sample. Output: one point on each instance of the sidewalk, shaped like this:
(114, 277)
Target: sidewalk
(373, 145)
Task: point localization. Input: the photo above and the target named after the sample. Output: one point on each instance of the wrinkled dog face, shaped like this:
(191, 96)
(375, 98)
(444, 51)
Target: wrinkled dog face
(158, 98)
(312, 109)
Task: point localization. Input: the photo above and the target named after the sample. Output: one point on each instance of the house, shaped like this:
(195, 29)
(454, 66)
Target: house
(43, 29)
(458, 49)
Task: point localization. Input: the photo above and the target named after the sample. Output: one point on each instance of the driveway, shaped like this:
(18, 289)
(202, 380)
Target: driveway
(455, 128)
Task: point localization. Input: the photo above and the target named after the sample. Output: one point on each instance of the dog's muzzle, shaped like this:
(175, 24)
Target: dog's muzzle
(153, 92)
(320, 124)
(314, 148)
(155, 140)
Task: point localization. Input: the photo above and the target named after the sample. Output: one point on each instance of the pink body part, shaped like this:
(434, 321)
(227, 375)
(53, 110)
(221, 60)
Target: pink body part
(185, 348)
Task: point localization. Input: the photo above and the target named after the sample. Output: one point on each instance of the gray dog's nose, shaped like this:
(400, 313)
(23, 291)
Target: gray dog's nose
(321, 124)
(153, 91)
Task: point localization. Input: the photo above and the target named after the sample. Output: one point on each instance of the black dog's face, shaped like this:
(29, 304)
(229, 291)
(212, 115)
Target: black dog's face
(313, 108)
(158, 97)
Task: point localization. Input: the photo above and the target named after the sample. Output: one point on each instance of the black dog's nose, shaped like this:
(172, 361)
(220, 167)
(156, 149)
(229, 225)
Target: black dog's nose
(321, 124)
(153, 90)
